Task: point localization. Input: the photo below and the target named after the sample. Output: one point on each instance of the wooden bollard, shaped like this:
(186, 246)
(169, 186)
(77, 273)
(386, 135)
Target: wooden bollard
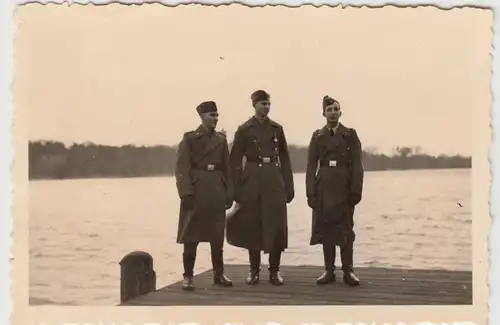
(137, 275)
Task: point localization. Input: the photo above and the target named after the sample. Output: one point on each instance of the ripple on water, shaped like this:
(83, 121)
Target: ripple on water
(394, 228)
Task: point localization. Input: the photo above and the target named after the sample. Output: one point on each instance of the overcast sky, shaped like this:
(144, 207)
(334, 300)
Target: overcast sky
(134, 74)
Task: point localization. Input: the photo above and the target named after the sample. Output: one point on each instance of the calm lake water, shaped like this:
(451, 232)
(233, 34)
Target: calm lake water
(80, 229)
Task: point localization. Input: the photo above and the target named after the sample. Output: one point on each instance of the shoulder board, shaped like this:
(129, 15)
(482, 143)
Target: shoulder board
(246, 124)
(220, 134)
(193, 134)
(316, 133)
(275, 124)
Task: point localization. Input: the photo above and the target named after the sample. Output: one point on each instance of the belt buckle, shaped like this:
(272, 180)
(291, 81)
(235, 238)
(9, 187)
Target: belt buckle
(266, 160)
(332, 163)
(210, 167)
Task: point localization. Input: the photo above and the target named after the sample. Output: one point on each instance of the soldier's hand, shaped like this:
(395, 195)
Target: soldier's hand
(312, 202)
(354, 198)
(188, 201)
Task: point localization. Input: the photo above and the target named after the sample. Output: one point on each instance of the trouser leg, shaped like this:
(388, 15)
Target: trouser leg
(217, 254)
(274, 265)
(347, 257)
(274, 261)
(216, 250)
(189, 257)
(347, 251)
(328, 275)
(329, 252)
(255, 261)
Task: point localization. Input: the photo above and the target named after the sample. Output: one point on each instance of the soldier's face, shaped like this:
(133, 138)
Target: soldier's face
(332, 112)
(263, 107)
(210, 119)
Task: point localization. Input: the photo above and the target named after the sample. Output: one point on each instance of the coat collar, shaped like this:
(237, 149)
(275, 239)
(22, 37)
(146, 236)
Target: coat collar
(202, 131)
(255, 121)
(342, 130)
(267, 121)
(208, 143)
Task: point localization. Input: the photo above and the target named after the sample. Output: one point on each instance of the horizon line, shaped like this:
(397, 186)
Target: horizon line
(365, 149)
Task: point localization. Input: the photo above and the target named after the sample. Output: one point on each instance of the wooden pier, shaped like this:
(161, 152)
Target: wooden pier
(379, 286)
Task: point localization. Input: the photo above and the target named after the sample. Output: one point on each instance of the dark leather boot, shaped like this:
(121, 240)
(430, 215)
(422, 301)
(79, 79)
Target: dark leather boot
(274, 265)
(327, 277)
(221, 279)
(350, 278)
(347, 266)
(254, 274)
(275, 277)
(188, 259)
(218, 266)
(329, 257)
(187, 283)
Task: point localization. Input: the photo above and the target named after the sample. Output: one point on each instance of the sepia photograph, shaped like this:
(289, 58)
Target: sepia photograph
(232, 156)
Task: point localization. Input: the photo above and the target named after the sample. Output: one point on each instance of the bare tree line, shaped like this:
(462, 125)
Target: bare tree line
(53, 160)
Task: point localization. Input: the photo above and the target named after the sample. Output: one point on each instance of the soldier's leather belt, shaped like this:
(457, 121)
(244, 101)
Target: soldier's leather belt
(334, 163)
(209, 167)
(262, 160)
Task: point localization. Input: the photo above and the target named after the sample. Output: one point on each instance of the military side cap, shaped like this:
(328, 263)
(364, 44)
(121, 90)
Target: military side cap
(206, 107)
(327, 101)
(259, 95)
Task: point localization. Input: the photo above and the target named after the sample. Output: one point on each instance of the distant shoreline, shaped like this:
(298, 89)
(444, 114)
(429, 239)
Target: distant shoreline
(53, 160)
(164, 175)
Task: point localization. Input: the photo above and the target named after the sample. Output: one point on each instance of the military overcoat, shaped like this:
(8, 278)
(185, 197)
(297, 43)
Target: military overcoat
(334, 172)
(202, 170)
(262, 173)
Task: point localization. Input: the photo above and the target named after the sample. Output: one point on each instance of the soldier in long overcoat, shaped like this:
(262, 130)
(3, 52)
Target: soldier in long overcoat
(263, 187)
(334, 186)
(205, 187)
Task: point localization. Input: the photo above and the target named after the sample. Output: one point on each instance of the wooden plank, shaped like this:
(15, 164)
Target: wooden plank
(379, 286)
